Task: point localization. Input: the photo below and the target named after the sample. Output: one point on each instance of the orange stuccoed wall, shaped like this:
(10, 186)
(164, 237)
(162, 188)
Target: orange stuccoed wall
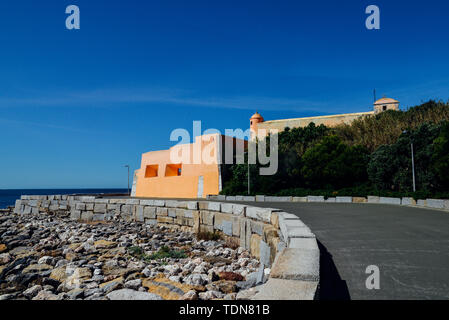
(159, 177)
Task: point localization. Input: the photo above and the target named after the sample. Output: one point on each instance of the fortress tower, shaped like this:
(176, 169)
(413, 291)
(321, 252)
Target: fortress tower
(258, 122)
(385, 104)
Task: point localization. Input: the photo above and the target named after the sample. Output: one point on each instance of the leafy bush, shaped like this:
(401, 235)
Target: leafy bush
(440, 157)
(390, 167)
(333, 163)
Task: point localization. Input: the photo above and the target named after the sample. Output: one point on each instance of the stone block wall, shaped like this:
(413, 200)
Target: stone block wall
(278, 239)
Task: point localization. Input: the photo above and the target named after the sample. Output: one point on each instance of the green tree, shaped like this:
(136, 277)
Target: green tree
(390, 166)
(440, 157)
(333, 164)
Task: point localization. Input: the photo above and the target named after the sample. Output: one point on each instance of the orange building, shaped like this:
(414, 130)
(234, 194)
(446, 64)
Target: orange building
(185, 171)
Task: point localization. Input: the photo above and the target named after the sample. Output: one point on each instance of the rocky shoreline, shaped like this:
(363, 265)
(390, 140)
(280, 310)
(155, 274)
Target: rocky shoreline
(49, 257)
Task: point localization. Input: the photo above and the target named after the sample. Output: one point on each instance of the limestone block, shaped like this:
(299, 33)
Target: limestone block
(220, 219)
(102, 201)
(239, 209)
(257, 227)
(111, 207)
(275, 220)
(263, 214)
(278, 199)
(297, 264)
(87, 199)
(248, 234)
(214, 206)
(126, 210)
(182, 221)
(343, 199)
(408, 202)
(287, 216)
(98, 217)
(80, 206)
(299, 199)
(230, 198)
(315, 198)
(446, 204)
(27, 210)
(359, 200)
(34, 203)
(239, 198)
(260, 198)
(387, 200)
(139, 213)
(303, 243)
(100, 208)
(249, 198)
(265, 253)
(159, 203)
(269, 232)
(294, 229)
(227, 208)
(373, 199)
(422, 203)
(192, 205)
(236, 226)
(149, 212)
(171, 203)
(435, 203)
(207, 217)
(75, 214)
(90, 206)
(87, 216)
(161, 211)
(243, 233)
(196, 221)
(281, 289)
(147, 202)
(35, 210)
(172, 212)
(164, 219)
(188, 213)
(227, 227)
(330, 200)
(255, 245)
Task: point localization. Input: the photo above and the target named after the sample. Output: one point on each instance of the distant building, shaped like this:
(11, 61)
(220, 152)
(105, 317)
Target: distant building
(257, 122)
(196, 176)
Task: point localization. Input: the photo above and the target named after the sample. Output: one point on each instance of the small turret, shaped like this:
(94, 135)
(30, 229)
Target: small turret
(254, 121)
(385, 104)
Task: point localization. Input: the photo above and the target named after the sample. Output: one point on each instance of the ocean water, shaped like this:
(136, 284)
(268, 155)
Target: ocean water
(9, 197)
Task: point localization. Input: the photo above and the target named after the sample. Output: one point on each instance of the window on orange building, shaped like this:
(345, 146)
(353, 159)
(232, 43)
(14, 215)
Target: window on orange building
(173, 170)
(151, 171)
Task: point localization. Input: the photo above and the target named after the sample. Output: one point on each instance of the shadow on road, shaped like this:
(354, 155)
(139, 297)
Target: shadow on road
(332, 287)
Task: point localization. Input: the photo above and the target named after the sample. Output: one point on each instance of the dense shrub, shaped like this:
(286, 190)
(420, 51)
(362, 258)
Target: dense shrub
(335, 164)
(390, 167)
(440, 158)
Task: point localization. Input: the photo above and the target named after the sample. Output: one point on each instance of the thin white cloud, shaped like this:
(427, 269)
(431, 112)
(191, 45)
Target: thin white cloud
(110, 98)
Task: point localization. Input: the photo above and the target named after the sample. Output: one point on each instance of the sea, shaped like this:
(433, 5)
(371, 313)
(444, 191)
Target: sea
(9, 197)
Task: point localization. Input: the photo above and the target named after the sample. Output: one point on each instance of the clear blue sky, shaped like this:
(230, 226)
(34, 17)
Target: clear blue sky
(75, 106)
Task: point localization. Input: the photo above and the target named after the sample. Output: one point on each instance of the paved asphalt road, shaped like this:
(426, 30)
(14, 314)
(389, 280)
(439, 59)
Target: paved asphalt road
(409, 245)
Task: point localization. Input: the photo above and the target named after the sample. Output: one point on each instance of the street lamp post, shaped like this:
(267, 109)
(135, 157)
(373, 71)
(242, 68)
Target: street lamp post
(127, 166)
(413, 162)
(413, 167)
